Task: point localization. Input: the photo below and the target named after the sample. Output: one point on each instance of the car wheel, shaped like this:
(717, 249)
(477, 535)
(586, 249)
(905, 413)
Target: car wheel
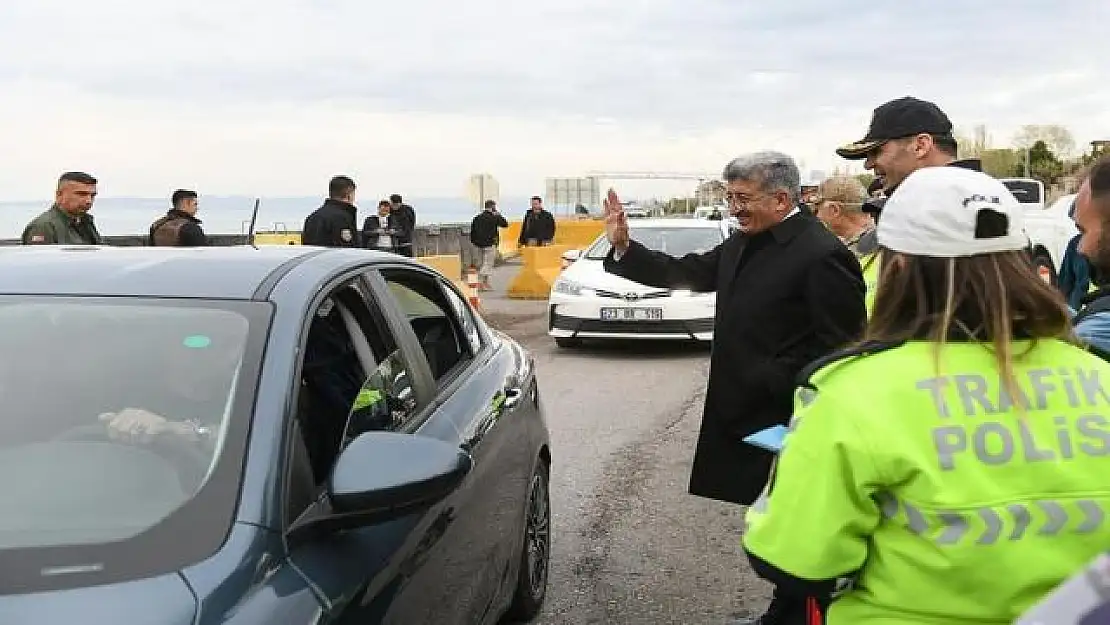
(566, 342)
(1043, 264)
(535, 555)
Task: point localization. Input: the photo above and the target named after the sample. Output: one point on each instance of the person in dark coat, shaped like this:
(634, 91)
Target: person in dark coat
(538, 227)
(484, 236)
(1075, 276)
(335, 224)
(788, 292)
(379, 232)
(403, 219)
(179, 227)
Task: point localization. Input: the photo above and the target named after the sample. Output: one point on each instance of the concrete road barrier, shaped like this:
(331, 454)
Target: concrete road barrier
(277, 238)
(572, 232)
(449, 265)
(539, 269)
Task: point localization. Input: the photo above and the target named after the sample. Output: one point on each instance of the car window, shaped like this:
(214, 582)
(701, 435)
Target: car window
(1026, 191)
(385, 401)
(118, 422)
(676, 242)
(433, 321)
(350, 356)
(465, 315)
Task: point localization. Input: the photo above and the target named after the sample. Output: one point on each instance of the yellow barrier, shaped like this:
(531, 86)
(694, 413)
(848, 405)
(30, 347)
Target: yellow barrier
(540, 268)
(507, 246)
(449, 265)
(277, 238)
(574, 233)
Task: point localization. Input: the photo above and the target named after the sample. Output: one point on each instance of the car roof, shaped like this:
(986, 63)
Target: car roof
(216, 272)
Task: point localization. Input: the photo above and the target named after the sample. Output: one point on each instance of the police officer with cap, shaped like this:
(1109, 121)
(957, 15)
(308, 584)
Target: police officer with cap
(905, 135)
(335, 224)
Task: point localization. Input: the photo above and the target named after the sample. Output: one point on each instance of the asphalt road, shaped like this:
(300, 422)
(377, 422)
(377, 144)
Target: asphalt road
(630, 545)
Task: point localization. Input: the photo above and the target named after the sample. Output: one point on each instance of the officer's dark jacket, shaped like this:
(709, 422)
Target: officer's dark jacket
(332, 225)
(56, 227)
(177, 229)
(483, 228)
(537, 225)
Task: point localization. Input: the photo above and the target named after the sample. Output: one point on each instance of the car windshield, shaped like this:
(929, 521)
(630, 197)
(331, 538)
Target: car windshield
(1026, 191)
(677, 242)
(118, 416)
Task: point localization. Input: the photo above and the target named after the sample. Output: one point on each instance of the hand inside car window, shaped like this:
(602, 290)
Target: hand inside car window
(187, 395)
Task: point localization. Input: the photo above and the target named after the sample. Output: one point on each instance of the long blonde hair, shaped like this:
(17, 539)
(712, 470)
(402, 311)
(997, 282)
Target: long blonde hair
(994, 299)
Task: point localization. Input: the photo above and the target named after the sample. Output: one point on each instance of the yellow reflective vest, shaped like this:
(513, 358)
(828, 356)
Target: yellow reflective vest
(929, 489)
(870, 264)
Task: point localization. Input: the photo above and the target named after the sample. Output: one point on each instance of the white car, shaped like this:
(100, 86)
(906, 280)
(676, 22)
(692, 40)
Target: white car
(586, 302)
(1049, 228)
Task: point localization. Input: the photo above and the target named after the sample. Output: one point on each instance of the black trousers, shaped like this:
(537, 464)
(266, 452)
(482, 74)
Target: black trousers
(794, 610)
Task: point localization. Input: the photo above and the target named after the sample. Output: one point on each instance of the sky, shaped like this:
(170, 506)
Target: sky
(274, 97)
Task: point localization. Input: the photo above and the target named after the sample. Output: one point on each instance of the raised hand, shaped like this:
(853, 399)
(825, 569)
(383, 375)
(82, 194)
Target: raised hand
(616, 222)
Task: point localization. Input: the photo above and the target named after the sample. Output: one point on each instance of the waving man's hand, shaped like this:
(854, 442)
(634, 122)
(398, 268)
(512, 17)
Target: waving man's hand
(616, 223)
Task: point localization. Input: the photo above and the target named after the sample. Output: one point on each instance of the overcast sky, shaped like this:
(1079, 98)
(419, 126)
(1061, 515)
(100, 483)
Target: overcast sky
(274, 96)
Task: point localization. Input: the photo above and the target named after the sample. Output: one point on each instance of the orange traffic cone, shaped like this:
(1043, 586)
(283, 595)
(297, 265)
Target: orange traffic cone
(473, 283)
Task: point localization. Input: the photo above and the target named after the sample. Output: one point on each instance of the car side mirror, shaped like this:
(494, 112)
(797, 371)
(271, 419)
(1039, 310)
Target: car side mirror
(383, 476)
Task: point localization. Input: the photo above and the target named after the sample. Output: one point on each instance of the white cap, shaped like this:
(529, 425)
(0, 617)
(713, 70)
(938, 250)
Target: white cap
(935, 210)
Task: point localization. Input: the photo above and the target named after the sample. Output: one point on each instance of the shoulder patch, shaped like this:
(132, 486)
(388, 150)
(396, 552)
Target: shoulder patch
(858, 351)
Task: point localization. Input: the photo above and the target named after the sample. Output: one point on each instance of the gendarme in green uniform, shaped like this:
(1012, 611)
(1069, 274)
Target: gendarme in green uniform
(55, 227)
(950, 506)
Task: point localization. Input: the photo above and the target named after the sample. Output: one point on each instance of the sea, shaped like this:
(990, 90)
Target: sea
(232, 214)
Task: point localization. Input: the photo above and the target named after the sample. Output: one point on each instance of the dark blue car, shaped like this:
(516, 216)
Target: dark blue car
(281, 435)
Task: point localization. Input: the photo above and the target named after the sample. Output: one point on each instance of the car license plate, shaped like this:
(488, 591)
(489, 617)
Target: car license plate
(631, 314)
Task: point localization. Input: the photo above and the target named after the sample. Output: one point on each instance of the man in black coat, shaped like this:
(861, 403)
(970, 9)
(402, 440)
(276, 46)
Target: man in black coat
(538, 227)
(788, 292)
(403, 220)
(335, 223)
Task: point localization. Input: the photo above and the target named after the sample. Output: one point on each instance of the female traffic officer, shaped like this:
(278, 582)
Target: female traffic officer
(955, 467)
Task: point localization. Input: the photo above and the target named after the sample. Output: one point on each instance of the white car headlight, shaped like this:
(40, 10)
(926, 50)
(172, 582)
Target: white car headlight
(567, 287)
(688, 293)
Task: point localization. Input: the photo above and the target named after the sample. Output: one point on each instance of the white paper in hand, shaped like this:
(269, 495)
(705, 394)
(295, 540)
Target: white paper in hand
(770, 439)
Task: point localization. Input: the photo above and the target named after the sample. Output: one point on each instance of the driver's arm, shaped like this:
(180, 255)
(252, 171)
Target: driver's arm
(137, 425)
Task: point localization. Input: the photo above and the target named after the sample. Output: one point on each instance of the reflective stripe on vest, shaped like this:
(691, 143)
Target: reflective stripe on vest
(870, 263)
(988, 525)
